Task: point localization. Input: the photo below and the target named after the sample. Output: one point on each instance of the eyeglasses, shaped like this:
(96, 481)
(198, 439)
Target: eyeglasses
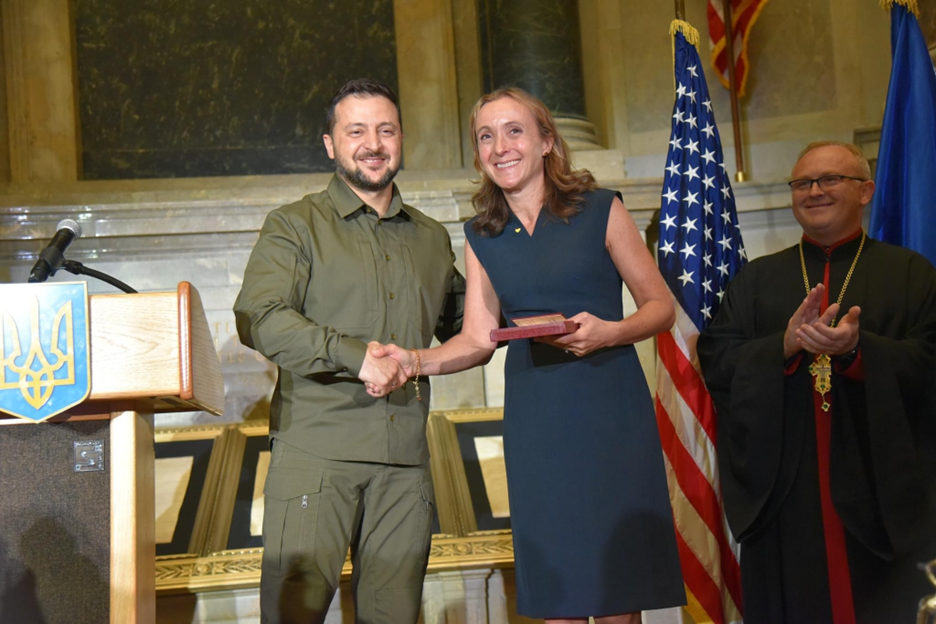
(826, 183)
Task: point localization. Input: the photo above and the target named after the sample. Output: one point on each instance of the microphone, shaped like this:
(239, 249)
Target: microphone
(52, 257)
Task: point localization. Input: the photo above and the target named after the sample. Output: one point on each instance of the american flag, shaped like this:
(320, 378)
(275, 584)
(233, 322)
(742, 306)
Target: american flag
(700, 250)
(743, 15)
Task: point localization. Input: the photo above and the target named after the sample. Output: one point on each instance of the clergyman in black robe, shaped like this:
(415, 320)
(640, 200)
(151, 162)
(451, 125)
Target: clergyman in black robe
(830, 494)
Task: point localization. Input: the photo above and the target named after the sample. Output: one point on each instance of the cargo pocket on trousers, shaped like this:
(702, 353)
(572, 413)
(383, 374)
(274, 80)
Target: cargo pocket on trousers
(428, 501)
(291, 504)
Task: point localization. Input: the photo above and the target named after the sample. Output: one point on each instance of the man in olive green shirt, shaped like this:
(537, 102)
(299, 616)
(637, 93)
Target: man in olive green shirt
(332, 275)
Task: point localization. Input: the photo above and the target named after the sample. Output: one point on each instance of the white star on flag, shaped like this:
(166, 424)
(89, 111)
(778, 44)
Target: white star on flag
(698, 222)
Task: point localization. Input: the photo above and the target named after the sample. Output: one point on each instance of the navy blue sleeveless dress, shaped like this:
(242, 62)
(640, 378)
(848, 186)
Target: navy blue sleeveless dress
(592, 526)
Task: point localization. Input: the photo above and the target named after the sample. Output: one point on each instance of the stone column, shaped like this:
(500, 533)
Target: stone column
(428, 86)
(536, 46)
(38, 46)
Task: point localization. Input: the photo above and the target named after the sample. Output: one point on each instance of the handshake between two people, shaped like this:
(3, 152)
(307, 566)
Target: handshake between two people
(386, 368)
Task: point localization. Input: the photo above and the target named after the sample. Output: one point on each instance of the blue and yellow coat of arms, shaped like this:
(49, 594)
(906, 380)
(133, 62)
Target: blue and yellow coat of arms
(45, 364)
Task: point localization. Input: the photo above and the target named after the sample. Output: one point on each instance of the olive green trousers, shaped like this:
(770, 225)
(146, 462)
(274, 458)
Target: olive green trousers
(315, 510)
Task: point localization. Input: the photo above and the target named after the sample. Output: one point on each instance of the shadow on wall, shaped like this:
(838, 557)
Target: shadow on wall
(19, 600)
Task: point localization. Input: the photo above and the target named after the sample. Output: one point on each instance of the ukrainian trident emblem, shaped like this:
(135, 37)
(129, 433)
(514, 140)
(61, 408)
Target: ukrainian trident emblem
(44, 357)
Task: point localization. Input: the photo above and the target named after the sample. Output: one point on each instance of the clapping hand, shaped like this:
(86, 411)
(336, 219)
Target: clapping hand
(819, 337)
(809, 330)
(381, 374)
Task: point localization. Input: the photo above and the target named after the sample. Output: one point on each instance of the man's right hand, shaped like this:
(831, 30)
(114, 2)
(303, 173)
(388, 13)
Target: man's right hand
(381, 375)
(404, 357)
(806, 314)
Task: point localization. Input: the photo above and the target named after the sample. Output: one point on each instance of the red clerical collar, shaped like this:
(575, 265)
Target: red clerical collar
(845, 240)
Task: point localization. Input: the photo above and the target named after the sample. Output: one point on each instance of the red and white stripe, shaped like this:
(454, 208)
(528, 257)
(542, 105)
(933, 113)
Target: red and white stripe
(743, 15)
(686, 419)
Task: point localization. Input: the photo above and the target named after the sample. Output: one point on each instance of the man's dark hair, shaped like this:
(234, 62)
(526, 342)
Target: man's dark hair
(360, 87)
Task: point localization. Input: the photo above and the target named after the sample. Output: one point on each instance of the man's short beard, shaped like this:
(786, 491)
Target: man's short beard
(357, 178)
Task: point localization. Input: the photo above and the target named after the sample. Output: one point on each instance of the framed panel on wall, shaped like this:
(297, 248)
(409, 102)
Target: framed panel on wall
(230, 549)
(467, 447)
(246, 477)
(188, 463)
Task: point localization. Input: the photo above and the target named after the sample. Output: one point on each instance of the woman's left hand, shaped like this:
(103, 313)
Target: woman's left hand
(592, 334)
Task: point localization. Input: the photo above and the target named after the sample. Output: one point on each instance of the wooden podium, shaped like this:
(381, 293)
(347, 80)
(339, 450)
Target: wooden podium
(150, 353)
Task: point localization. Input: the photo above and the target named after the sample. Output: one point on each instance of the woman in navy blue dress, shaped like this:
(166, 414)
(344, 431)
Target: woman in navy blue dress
(592, 526)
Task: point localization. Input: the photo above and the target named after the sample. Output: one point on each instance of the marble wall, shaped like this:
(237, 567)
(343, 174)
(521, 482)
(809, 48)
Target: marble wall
(168, 88)
(819, 69)
(534, 45)
(173, 88)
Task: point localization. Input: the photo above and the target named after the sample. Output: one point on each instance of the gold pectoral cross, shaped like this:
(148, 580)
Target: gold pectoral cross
(821, 369)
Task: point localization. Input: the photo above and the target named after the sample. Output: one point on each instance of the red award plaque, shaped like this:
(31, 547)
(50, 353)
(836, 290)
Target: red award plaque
(534, 327)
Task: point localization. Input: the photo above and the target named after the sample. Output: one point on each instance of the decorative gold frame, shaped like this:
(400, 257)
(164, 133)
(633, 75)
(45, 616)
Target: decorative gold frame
(206, 504)
(460, 546)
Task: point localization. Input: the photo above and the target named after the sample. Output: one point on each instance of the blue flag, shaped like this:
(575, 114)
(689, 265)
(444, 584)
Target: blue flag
(904, 208)
(700, 246)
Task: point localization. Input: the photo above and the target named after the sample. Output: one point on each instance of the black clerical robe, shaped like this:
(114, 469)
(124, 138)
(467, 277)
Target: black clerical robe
(881, 442)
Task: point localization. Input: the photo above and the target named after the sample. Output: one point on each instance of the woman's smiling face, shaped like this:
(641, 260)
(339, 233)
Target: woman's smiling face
(510, 145)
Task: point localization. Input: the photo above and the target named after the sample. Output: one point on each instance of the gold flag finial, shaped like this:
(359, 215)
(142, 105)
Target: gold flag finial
(690, 33)
(910, 4)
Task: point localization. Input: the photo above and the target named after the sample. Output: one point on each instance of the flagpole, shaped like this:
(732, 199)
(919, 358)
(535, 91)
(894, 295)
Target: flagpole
(740, 176)
(681, 10)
